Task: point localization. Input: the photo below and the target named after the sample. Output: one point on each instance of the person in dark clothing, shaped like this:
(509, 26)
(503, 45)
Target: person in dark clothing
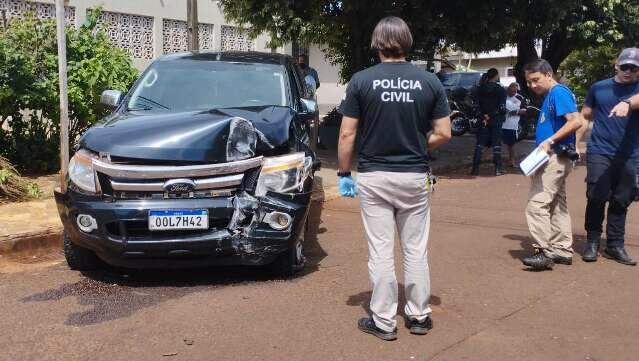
(302, 60)
(399, 113)
(611, 159)
(491, 97)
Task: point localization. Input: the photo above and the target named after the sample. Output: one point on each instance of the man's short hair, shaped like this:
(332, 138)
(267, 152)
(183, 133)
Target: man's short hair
(392, 37)
(515, 84)
(539, 66)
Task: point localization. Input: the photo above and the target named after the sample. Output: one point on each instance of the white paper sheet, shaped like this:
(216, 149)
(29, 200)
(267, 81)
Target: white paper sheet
(533, 161)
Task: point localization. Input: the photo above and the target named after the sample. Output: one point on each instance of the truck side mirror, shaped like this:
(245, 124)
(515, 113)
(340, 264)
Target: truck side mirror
(111, 98)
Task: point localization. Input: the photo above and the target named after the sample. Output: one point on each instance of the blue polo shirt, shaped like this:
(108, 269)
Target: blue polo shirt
(616, 136)
(558, 102)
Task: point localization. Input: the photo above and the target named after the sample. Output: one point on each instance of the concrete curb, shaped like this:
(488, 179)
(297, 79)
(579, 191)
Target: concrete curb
(50, 237)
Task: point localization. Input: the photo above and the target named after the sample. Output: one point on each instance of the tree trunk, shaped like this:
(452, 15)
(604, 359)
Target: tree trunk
(526, 53)
(557, 48)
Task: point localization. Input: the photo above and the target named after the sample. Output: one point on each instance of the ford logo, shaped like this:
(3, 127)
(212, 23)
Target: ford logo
(179, 186)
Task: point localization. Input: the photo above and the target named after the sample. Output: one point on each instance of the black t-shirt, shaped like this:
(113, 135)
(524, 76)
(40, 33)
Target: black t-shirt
(492, 100)
(395, 103)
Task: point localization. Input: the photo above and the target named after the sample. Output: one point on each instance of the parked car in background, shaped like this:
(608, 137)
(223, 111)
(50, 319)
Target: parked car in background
(460, 80)
(205, 161)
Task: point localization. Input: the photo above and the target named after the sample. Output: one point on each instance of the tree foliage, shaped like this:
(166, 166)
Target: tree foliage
(585, 67)
(29, 87)
(344, 27)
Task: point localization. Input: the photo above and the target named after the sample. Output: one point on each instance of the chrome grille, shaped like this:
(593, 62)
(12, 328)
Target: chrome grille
(143, 182)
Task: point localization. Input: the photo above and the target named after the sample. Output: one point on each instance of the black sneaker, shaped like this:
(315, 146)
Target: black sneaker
(367, 325)
(420, 328)
(538, 261)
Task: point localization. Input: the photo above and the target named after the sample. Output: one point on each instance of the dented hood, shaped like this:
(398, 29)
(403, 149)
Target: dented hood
(200, 136)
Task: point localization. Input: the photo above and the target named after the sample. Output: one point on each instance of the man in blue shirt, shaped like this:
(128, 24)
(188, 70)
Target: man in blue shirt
(611, 159)
(547, 211)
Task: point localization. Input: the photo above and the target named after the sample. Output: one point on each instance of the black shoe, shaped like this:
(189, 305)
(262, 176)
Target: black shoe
(474, 172)
(499, 172)
(619, 254)
(538, 261)
(420, 328)
(590, 251)
(562, 260)
(367, 325)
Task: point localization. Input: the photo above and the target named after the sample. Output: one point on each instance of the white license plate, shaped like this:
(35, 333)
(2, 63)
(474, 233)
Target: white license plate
(162, 220)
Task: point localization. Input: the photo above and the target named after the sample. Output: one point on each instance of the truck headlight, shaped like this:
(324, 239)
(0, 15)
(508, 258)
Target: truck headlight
(81, 171)
(283, 174)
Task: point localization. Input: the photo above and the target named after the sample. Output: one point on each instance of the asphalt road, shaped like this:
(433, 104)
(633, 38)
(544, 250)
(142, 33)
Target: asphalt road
(485, 305)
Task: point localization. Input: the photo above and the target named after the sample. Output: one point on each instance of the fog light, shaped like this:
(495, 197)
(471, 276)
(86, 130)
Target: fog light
(86, 223)
(278, 220)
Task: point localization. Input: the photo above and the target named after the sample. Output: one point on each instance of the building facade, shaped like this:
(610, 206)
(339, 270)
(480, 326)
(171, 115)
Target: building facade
(147, 29)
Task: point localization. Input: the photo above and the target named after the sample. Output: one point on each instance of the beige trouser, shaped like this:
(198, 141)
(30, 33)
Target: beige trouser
(389, 200)
(547, 210)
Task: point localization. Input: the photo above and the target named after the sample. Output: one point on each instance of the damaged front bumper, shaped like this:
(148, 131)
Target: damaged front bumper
(238, 233)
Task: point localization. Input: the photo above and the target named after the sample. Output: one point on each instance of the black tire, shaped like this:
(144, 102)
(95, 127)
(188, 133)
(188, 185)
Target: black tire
(79, 258)
(458, 125)
(292, 261)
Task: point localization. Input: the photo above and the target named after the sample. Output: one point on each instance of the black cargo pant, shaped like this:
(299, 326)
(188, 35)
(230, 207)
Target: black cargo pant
(611, 180)
(489, 136)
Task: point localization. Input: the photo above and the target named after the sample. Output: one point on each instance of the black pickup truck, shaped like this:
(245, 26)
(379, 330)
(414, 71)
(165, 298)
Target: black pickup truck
(205, 161)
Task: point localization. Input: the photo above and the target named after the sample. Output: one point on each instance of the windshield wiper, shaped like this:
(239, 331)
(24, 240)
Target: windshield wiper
(151, 101)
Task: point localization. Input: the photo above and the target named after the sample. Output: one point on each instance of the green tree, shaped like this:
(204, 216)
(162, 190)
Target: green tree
(584, 67)
(595, 62)
(344, 27)
(29, 100)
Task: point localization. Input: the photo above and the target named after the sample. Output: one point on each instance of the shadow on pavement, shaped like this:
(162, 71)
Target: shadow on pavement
(115, 293)
(527, 248)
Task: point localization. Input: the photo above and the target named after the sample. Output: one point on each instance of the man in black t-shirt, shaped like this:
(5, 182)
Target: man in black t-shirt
(491, 97)
(399, 113)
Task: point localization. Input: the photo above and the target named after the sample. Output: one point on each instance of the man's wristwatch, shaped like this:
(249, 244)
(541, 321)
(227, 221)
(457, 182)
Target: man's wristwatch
(627, 101)
(343, 174)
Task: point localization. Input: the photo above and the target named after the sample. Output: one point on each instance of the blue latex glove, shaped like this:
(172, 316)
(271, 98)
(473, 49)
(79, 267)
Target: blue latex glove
(347, 187)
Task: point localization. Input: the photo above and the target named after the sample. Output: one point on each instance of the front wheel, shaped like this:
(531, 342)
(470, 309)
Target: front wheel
(293, 260)
(79, 258)
(458, 124)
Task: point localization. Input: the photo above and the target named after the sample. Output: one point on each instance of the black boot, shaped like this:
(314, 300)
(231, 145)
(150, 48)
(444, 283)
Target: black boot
(590, 250)
(618, 253)
(499, 169)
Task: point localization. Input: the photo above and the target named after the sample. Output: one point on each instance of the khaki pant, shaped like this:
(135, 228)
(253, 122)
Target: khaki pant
(547, 210)
(392, 200)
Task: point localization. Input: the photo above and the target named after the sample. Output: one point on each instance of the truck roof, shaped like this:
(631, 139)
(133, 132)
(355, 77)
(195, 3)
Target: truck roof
(231, 56)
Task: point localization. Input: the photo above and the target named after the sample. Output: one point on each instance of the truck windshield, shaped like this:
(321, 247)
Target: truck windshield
(183, 85)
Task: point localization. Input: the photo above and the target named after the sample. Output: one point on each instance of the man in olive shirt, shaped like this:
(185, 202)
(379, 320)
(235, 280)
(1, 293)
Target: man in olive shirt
(399, 113)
